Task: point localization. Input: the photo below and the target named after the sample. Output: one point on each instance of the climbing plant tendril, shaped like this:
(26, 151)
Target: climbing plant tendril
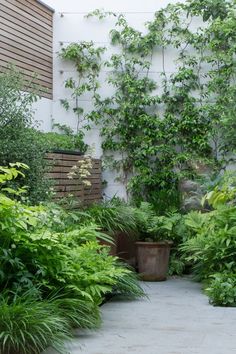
(160, 127)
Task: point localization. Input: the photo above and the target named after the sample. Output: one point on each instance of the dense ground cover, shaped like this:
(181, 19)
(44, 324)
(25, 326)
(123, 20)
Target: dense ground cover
(54, 273)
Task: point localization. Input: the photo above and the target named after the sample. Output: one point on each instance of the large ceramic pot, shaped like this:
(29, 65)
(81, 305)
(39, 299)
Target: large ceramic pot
(153, 259)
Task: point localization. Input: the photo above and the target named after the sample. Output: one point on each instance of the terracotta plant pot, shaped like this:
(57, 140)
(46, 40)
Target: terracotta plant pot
(126, 248)
(153, 259)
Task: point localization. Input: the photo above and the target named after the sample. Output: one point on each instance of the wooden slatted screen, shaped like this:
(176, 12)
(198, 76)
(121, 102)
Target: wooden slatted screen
(63, 186)
(26, 40)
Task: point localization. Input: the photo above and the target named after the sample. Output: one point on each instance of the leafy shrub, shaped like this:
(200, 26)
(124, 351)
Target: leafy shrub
(143, 216)
(21, 141)
(53, 273)
(165, 227)
(65, 139)
(18, 137)
(210, 246)
(223, 192)
(177, 264)
(213, 248)
(222, 289)
(97, 273)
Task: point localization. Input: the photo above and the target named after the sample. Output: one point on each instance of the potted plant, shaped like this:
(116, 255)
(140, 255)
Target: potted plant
(155, 241)
(117, 220)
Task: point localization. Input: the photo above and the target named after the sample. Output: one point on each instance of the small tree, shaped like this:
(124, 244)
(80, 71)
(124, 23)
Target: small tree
(19, 140)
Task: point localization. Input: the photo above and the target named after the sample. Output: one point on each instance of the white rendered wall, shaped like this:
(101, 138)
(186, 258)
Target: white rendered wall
(71, 26)
(43, 114)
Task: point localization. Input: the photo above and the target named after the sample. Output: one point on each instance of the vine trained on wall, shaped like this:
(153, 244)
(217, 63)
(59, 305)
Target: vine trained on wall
(161, 137)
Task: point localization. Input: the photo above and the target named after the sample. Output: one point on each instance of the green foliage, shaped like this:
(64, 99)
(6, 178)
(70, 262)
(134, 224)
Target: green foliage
(177, 264)
(223, 192)
(112, 218)
(195, 220)
(166, 227)
(15, 105)
(65, 139)
(222, 289)
(53, 273)
(12, 172)
(157, 137)
(18, 139)
(97, 273)
(213, 247)
(87, 62)
(28, 326)
(128, 287)
(209, 245)
(155, 227)
(143, 215)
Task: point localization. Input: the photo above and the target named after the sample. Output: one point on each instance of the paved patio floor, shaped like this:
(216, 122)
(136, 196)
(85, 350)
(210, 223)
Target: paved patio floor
(176, 319)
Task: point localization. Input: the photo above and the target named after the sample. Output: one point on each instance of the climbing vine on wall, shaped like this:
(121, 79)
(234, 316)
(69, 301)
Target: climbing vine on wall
(160, 126)
(87, 61)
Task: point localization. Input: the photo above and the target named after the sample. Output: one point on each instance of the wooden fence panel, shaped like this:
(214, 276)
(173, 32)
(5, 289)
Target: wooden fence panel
(26, 40)
(60, 165)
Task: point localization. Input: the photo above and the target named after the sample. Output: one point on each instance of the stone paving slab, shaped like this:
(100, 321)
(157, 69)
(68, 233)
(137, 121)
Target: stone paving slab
(176, 319)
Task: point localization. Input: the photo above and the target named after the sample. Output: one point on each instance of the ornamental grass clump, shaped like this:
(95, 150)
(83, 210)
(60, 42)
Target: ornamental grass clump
(112, 217)
(28, 325)
(54, 274)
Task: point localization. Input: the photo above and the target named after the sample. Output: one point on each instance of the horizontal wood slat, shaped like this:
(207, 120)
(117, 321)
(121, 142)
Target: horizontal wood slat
(26, 65)
(93, 198)
(24, 14)
(26, 39)
(47, 47)
(67, 157)
(25, 57)
(65, 162)
(31, 33)
(30, 8)
(37, 7)
(67, 194)
(11, 15)
(11, 44)
(67, 169)
(65, 188)
(60, 165)
(58, 159)
(61, 178)
(46, 87)
(74, 181)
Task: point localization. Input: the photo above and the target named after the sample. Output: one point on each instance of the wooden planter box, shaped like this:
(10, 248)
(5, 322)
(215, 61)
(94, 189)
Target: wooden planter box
(60, 164)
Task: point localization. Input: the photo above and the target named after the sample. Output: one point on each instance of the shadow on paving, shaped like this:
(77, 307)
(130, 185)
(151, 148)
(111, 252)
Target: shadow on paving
(176, 319)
